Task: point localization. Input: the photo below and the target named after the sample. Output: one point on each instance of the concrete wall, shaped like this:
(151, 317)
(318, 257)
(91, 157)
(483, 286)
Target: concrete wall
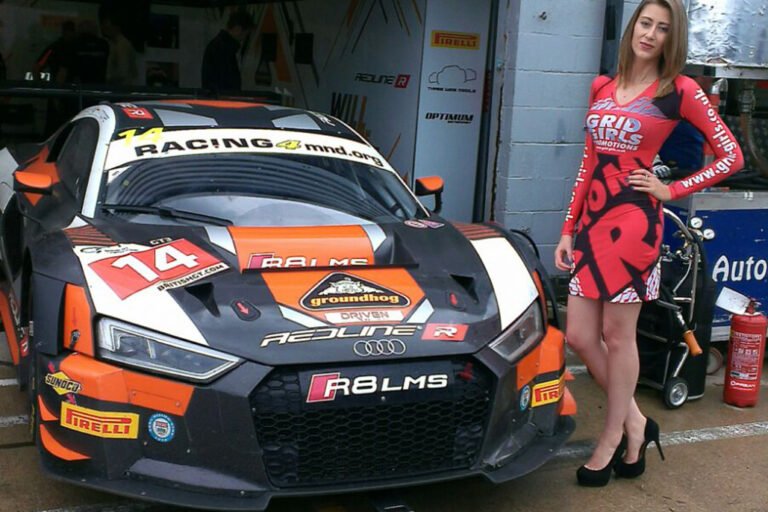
(552, 53)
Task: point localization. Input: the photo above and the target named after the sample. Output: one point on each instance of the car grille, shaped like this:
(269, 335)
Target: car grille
(372, 441)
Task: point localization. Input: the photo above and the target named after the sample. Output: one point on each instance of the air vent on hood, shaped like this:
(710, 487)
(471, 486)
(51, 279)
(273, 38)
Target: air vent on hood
(204, 293)
(468, 284)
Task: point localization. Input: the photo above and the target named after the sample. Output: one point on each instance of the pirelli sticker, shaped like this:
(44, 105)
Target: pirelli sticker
(455, 40)
(108, 425)
(547, 392)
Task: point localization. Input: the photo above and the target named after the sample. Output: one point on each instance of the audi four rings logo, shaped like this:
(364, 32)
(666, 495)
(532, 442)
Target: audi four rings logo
(366, 348)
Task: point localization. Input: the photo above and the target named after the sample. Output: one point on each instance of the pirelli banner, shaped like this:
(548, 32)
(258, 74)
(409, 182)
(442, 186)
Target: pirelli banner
(451, 99)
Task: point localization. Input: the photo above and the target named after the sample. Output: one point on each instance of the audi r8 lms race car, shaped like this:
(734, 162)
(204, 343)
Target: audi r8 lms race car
(212, 304)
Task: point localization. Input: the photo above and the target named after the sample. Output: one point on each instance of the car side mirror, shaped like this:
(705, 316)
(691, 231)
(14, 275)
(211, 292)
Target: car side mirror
(431, 186)
(34, 182)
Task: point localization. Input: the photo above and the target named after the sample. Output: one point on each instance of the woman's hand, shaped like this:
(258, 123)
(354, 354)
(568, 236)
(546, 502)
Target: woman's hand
(564, 253)
(644, 180)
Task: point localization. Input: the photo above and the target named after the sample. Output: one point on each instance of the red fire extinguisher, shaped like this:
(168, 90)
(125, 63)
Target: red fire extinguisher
(746, 349)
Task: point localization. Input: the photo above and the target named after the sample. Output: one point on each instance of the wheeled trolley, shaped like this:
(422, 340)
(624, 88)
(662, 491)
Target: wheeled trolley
(674, 331)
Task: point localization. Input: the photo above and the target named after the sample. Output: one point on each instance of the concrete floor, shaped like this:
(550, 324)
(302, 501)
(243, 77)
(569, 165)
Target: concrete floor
(717, 460)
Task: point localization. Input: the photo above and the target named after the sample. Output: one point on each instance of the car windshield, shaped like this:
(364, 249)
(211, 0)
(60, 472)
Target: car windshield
(247, 189)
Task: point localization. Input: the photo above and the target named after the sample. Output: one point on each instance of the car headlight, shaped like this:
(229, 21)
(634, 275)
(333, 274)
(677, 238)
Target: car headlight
(524, 333)
(142, 348)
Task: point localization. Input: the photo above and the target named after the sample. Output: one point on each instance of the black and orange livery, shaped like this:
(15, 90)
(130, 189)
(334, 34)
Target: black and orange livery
(213, 324)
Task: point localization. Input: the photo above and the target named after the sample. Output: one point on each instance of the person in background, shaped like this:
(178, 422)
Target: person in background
(90, 55)
(220, 69)
(121, 64)
(616, 214)
(57, 58)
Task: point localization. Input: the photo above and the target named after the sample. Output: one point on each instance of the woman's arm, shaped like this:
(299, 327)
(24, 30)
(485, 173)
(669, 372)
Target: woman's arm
(696, 108)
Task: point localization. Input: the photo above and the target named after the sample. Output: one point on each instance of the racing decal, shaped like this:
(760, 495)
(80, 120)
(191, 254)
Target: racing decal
(339, 333)
(161, 428)
(325, 387)
(245, 310)
(547, 392)
(366, 316)
(62, 384)
(88, 235)
(455, 40)
(445, 332)
(148, 307)
(135, 144)
(415, 224)
(513, 285)
(341, 290)
(476, 231)
(108, 425)
(269, 260)
(135, 112)
(525, 398)
(274, 248)
(164, 267)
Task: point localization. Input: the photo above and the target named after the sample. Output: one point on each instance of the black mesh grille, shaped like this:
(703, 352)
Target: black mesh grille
(370, 442)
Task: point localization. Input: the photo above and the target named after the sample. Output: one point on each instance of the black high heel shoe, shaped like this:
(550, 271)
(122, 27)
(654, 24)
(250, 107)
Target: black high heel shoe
(635, 469)
(600, 477)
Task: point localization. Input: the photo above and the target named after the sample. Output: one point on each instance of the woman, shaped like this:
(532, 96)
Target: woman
(617, 203)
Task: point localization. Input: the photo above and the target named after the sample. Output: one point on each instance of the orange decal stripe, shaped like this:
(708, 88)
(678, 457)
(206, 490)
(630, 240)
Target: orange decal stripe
(311, 243)
(45, 413)
(528, 368)
(217, 103)
(112, 384)
(77, 317)
(552, 352)
(548, 357)
(10, 328)
(57, 449)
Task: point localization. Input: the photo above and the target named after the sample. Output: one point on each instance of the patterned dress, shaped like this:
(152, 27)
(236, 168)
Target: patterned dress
(616, 254)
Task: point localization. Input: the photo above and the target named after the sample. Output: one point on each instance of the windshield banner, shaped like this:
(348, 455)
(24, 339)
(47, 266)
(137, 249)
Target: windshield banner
(135, 145)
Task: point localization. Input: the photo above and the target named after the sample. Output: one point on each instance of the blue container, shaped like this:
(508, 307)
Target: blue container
(738, 255)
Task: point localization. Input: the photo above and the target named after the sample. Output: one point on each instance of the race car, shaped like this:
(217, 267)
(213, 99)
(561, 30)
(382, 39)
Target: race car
(212, 304)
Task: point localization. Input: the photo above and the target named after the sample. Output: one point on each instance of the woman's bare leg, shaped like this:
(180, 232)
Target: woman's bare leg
(584, 333)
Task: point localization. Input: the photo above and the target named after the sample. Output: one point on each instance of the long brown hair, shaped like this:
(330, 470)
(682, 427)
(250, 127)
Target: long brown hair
(675, 51)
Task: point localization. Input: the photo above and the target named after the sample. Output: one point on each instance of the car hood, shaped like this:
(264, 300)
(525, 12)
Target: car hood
(291, 295)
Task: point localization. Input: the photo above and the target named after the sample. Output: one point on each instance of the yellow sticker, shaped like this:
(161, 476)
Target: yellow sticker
(62, 384)
(110, 425)
(547, 392)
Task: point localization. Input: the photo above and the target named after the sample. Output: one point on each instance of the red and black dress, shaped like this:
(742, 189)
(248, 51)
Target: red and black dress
(616, 254)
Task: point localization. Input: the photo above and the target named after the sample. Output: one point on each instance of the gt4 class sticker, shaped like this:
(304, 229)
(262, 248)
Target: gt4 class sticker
(166, 266)
(109, 425)
(135, 144)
